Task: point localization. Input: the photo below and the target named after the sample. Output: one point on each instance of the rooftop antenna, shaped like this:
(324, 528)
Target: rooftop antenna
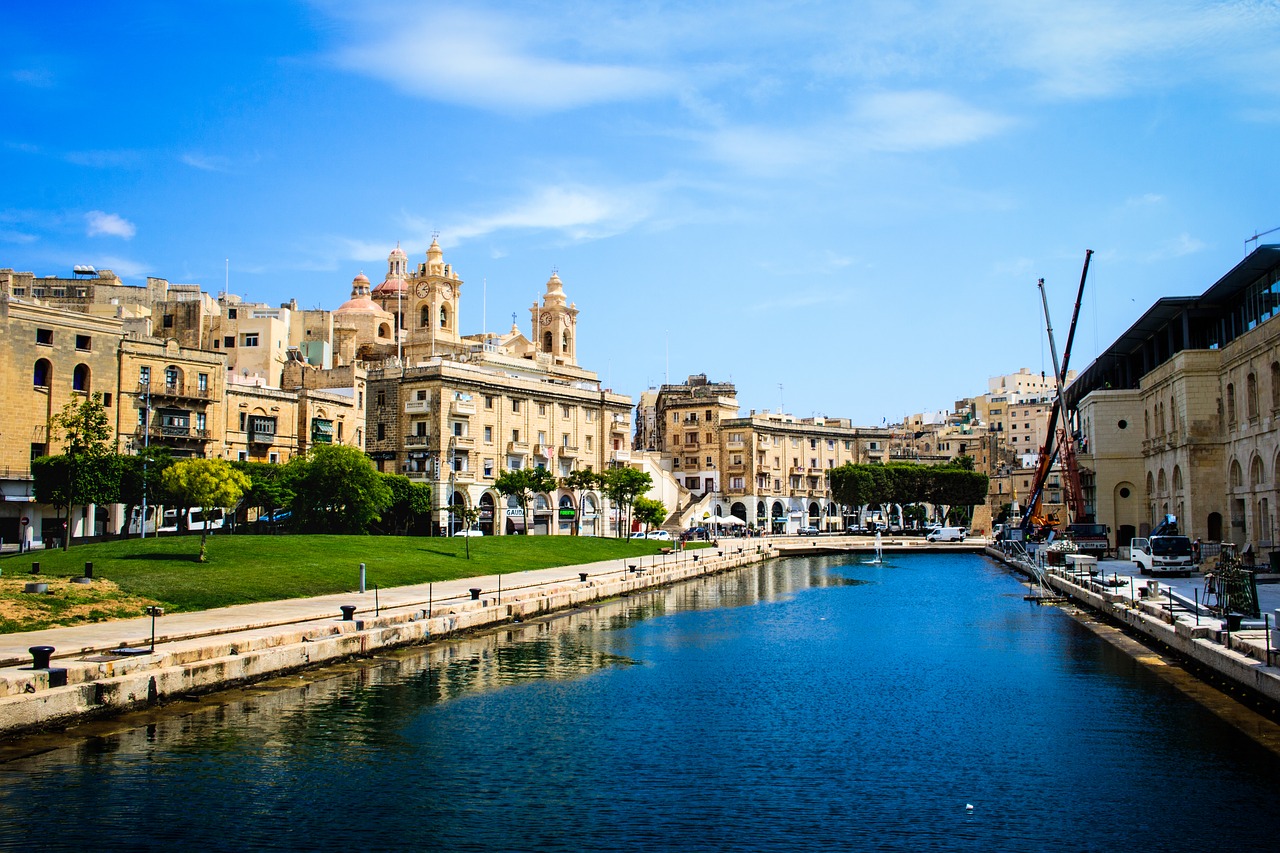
(226, 283)
(782, 405)
(666, 343)
(484, 310)
(1256, 235)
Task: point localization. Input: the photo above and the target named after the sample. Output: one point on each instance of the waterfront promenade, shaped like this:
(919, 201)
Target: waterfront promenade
(1171, 612)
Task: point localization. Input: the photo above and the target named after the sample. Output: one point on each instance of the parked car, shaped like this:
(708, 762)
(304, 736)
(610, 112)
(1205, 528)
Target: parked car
(808, 531)
(946, 534)
(658, 534)
(474, 531)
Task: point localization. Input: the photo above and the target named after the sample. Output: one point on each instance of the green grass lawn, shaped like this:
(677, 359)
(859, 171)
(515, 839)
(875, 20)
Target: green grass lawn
(245, 569)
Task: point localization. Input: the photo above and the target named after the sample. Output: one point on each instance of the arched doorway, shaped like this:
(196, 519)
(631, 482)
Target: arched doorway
(738, 511)
(778, 518)
(565, 515)
(457, 503)
(1213, 527)
(815, 514)
(541, 515)
(486, 514)
(590, 518)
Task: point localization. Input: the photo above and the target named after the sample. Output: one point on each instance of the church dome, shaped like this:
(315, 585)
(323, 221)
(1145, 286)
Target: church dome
(359, 303)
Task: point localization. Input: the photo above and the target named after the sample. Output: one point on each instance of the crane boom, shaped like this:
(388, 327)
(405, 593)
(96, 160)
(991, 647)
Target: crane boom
(1055, 437)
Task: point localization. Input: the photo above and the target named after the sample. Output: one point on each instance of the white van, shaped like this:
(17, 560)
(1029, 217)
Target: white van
(946, 534)
(1170, 556)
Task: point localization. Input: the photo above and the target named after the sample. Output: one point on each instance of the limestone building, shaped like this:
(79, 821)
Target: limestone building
(1181, 415)
(458, 410)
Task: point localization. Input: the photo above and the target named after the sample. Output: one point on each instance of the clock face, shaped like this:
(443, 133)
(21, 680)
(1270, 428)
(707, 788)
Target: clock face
(546, 318)
(447, 291)
(423, 289)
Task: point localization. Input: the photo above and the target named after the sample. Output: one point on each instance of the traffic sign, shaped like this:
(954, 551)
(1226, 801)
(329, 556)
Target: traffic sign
(25, 521)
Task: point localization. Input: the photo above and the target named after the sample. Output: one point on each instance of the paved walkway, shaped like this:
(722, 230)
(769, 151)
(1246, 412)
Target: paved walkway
(175, 630)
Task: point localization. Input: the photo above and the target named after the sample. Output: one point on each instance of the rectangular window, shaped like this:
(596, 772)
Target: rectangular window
(142, 417)
(515, 406)
(144, 375)
(229, 341)
(542, 408)
(564, 411)
(273, 458)
(231, 313)
(201, 420)
(564, 440)
(458, 429)
(82, 342)
(382, 432)
(488, 402)
(242, 456)
(106, 400)
(588, 442)
(202, 381)
(488, 467)
(488, 435)
(168, 321)
(382, 398)
(515, 436)
(420, 394)
(249, 339)
(45, 337)
(340, 430)
(244, 421)
(591, 416)
(542, 437)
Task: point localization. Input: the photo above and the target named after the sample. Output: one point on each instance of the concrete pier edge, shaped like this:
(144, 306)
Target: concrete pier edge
(1213, 670)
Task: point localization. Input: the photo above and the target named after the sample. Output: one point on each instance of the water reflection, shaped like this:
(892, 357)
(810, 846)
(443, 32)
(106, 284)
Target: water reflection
(810, 703)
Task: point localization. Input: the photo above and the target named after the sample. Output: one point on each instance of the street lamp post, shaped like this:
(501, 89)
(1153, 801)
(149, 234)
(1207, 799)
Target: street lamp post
(146, 446)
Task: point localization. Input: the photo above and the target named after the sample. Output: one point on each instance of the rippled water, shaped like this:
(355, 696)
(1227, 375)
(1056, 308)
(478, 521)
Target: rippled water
(804, 705)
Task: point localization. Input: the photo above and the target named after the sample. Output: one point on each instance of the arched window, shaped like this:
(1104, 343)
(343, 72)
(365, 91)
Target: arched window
(80, 378)
(1237, 476)
(546, 342)
(1231, 406)
(172, 377)
(1177, 479)
(43, 373)
(425, 319)
(1275, 384)
(1162, 483)
(1256, 472)
(564, 342)
(1146, 424)
(444, 317)
(1173, 415)
(384, 331)
(1251, 395)
(1151, 484)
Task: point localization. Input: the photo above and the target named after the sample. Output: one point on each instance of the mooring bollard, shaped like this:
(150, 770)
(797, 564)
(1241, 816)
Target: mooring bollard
(475, 593)
(582, 576)
(348, 612)
(35, 568)
(88, 570)
(40, 656)
(36, 588)
(362, 577)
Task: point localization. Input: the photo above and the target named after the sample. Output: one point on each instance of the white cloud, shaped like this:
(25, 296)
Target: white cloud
(1178, 247)
(38, 78)
(490, 63)
(16, 237)
(206, 162)
(921, 121)
(579, 212)
(109, 225)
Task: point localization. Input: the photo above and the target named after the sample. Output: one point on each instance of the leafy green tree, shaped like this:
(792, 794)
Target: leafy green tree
(142, 476)
(578, 482)
(649, 512)
(623, 485)
(522, 484)
(269, 488)
(85, 432)
(410, 507)
(206, 483)
(335, 490)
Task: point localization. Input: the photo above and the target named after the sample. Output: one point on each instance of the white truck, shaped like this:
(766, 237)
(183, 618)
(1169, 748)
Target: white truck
(1164, 552)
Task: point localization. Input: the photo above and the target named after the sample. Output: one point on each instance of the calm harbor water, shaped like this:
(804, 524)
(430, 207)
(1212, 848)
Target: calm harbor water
(808, 704)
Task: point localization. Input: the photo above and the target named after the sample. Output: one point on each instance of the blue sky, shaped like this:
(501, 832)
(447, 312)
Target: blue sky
(850, 200)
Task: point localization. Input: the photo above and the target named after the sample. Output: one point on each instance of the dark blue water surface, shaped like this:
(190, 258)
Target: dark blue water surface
(808, 704)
